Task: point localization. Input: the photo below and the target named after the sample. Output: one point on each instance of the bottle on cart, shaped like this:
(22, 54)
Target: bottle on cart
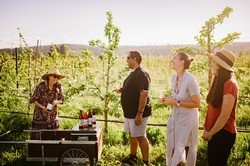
(90, 118)
(80, 120)
(94, 118)
(85, 120)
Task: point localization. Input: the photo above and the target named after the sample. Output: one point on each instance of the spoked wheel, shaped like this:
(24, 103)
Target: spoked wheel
(75, 157)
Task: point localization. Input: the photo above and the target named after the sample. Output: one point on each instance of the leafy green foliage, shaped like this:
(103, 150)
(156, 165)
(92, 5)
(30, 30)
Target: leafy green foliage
(242, 144)
(108, 58)
(243, 119)
(81, 94)
(206, 39)
(244, 84)
(10, 157)
(89, 82)
(15, 121)
(202, 153)
(54, 51)
(154, 135)
(64, 50)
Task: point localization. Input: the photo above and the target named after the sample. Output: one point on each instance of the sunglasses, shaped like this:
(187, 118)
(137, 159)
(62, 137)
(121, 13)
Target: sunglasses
(56, 76)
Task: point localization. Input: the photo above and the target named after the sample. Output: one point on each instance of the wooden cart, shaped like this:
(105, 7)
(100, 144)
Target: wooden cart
(67, 147)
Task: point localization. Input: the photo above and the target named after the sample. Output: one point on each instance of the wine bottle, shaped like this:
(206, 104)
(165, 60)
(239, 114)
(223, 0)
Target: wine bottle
(85, 120)
(94, 118)
(80, 120)
(90, 118)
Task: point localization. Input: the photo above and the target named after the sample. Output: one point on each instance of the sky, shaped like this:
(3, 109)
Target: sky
(142, 22)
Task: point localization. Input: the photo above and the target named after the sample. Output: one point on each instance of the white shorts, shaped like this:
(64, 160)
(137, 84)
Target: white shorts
(135, 130)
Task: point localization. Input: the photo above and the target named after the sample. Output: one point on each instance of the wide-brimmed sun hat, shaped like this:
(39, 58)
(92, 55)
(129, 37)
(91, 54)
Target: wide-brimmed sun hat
(224, 58)
(53, 71)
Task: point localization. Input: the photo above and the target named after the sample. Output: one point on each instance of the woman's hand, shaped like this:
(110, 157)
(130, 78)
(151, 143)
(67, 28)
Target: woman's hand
(168, 101)
(55, 102)
(206, 135)
(41, 106)
(118, 90)
(162, 99)
(44, 109)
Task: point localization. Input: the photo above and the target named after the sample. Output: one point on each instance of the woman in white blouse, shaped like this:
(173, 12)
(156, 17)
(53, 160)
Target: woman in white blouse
(182, 125)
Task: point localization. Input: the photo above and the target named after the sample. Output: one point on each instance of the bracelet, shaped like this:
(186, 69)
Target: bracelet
(140, 112)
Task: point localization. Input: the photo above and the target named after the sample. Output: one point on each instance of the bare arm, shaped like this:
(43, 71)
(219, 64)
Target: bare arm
(227, 106)
(194, 103)
(40, 106)
(57, 102)
(142, 104)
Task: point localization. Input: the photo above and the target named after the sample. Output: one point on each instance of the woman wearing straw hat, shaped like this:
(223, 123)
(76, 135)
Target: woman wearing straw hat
(46, 97)
(220, 124)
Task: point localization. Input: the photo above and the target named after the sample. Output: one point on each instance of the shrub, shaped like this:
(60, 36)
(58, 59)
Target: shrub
(155, 135)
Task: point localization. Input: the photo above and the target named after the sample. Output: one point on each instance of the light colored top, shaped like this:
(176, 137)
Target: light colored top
(183, 123)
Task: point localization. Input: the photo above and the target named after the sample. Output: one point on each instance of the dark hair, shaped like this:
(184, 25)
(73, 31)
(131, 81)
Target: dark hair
(186, 58)
(215, 94)
(137, 55)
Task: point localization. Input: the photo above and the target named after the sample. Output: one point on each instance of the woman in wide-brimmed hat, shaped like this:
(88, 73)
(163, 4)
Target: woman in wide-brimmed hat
(46, 96)
(220, 124)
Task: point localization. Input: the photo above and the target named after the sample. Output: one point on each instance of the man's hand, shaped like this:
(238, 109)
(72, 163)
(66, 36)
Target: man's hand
(138, 118)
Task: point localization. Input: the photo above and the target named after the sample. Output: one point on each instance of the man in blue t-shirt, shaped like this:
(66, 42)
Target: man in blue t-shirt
(136, 107)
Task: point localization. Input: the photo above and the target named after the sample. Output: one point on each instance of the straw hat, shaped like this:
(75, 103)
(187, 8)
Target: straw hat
(53, 71)
(224, 58)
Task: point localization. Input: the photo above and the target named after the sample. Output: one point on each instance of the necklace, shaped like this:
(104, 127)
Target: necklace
(177, 85)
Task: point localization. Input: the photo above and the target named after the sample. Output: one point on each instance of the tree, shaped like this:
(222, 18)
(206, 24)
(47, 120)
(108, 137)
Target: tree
(108, 57)
(64, 49)
(54, 53)
(87, 60)
(206, 39)
(26, 52)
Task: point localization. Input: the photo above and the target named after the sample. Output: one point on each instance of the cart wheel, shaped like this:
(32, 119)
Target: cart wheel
(75, 157)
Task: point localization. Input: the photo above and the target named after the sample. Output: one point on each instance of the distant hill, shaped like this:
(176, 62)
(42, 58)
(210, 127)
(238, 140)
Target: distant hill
(237, 47)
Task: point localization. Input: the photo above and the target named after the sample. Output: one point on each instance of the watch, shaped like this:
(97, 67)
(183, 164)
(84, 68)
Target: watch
(178, 103)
